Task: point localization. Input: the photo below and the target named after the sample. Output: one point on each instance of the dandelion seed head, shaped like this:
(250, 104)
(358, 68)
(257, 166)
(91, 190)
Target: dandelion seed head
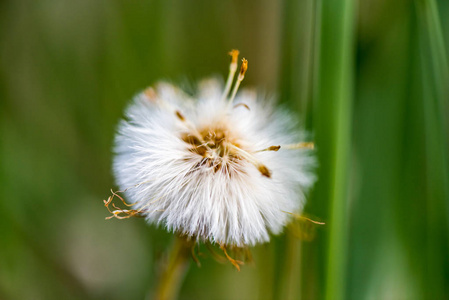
(213, 166)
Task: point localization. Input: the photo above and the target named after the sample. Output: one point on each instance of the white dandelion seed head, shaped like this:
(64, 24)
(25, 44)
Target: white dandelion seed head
(199, 161)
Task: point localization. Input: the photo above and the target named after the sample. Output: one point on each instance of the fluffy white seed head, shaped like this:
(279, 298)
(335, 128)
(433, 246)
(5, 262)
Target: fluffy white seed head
(200, 164)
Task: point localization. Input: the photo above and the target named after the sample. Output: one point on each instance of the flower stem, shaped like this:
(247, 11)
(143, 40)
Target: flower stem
(177, 265)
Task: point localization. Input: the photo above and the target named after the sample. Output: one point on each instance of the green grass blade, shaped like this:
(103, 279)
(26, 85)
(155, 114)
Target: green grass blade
(333, 121)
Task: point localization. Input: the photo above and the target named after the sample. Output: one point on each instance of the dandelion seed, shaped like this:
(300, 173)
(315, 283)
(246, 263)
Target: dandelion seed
(222, 166)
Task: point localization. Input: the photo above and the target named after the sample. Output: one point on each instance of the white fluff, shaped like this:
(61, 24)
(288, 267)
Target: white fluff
(220, 195)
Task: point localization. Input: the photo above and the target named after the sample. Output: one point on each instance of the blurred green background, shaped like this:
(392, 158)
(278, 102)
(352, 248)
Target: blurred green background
(368, 78)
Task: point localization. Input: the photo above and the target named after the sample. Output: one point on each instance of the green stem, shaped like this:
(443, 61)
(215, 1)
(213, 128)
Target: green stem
(176, 268)
(334, 132)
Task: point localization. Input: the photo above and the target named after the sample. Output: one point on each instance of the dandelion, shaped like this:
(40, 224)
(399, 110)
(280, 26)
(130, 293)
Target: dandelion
(219, 166)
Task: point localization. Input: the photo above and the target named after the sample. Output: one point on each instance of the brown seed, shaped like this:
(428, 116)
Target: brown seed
(274, 148)
(180, 116)
(264, 171)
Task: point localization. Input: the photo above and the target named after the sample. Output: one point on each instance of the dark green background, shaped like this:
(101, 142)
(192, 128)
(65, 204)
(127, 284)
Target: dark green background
(368, 78)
